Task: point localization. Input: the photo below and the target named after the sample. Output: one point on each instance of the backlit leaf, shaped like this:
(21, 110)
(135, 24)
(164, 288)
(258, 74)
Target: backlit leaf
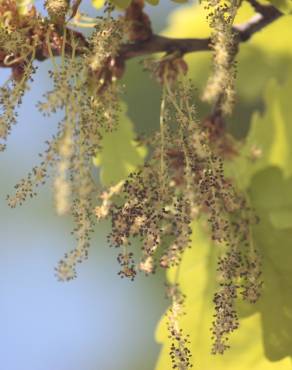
(284, 6)
(121, 3)
(269, 139)
(97, 3)
(271, 195)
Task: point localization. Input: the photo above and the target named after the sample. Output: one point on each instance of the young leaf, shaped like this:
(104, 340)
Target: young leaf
(97, 3)
(271, 196)
(121, 3)
(285, 6)
(269, 139)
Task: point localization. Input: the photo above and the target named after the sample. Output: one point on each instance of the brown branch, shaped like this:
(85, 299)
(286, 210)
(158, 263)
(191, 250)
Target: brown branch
(155, 44)
(265, 15)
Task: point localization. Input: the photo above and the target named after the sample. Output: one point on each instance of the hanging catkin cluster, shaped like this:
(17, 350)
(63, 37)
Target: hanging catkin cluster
(180, 353)
(88, 111)
(183, 180)
(220, 86)
(17, 52)
(104, 64)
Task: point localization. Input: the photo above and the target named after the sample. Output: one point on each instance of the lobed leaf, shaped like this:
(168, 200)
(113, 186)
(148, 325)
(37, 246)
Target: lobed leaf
(270, 194)
(97, 3)
(268, 142)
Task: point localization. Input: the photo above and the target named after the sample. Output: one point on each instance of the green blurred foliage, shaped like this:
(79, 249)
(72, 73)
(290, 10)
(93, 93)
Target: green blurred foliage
(269, 139)
(143, 96)
(270, 194)
(284, 6)
(120, 154)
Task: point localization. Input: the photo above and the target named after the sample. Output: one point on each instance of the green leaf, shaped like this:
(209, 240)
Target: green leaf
(285, 6)
(153, 2)
(197, 280)
(97, 3)
(122, 4)
(281, 218)
(23, 6)
(120, 154)
(269, 139)
(271, 195)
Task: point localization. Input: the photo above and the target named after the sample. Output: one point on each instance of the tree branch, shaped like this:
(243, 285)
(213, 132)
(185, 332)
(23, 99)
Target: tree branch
(265, 15)
(158, 44)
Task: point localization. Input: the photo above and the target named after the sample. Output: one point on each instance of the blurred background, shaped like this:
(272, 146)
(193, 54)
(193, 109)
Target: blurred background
(96, 322)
